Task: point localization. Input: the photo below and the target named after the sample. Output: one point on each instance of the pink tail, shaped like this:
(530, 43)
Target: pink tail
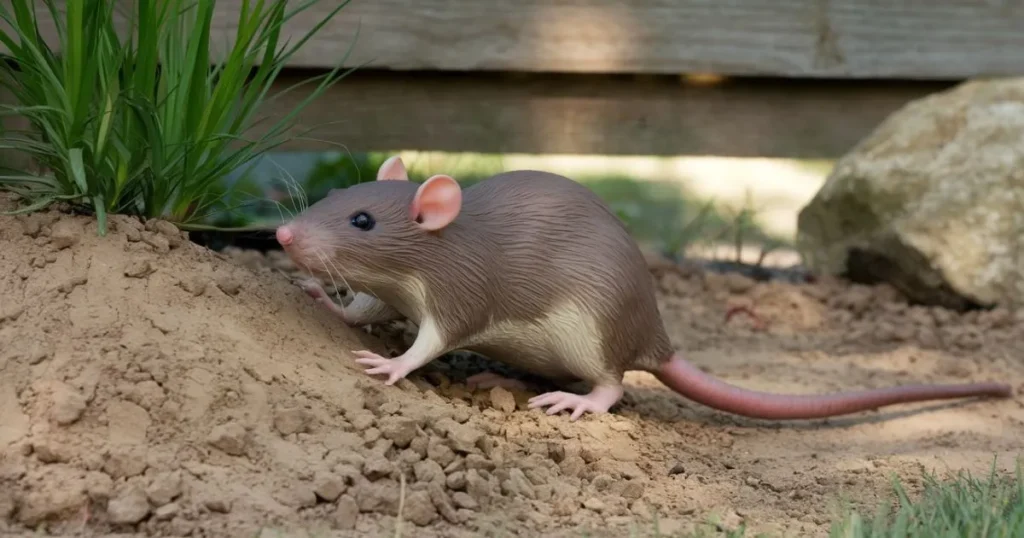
(689, 381)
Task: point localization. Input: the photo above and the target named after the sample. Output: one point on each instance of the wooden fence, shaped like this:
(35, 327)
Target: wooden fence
(802, 78)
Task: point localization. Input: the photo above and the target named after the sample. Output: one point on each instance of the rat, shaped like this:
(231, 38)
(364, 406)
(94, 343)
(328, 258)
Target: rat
(532, 269)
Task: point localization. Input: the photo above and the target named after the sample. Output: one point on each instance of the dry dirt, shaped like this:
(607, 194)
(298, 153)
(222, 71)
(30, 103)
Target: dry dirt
(150, 386)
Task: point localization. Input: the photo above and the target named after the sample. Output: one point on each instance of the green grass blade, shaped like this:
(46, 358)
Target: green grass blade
(78, 169)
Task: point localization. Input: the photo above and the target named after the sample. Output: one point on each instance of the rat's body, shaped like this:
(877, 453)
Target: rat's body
(531, 269)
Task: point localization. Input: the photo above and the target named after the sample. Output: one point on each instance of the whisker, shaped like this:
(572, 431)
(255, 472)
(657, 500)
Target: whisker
(328, 259)
(327, 270)
(331, 261)
(295, 191)
(279, 206)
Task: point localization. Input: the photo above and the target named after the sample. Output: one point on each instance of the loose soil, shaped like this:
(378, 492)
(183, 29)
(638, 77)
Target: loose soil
(151, 386)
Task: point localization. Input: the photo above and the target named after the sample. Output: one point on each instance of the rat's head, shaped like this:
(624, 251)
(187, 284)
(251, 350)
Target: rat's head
(371, 230)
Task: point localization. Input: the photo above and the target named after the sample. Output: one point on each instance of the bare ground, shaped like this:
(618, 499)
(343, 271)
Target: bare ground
(150, 386)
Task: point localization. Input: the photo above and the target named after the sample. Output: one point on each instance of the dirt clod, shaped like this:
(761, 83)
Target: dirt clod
(139, 269)
(164, 488)
(400, 430)
(420, 509)
(68, 404)
(291, 420)
(65, 234)
(129, 505)
(230, 438)
(346, 513)
(503, 400)
(329, 486)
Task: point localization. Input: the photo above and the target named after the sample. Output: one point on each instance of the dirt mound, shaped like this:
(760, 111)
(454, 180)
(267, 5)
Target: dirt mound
(152, 386)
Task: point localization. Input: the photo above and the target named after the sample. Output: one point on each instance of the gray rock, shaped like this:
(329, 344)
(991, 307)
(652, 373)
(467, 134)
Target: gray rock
(931, 202)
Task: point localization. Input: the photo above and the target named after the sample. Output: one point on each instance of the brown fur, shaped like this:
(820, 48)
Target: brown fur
(523, 242)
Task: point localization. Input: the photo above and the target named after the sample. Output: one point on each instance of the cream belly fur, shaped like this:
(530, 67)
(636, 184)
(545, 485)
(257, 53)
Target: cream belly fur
(561, 345)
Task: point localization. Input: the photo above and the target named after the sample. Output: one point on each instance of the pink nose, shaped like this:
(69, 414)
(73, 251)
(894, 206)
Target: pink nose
(285, 236)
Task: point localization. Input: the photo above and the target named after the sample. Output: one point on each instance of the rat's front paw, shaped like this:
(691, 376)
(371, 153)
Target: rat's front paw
(316, 291)
(395, 369)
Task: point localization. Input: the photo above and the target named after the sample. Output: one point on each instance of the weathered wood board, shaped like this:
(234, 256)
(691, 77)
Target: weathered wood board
(594, 114)
(939, 39)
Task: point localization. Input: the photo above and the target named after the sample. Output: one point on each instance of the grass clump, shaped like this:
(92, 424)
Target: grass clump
(966, 507)
(142, 124)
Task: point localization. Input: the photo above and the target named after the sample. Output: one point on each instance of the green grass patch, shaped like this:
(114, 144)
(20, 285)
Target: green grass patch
(967, 507)
(142, 124)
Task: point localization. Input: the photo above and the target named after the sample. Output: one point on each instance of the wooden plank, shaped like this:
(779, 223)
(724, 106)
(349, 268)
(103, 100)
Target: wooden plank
(596, 114)
(940, 39)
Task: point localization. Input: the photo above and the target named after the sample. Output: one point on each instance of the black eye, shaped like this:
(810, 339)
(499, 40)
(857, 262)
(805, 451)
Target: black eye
(363, 221)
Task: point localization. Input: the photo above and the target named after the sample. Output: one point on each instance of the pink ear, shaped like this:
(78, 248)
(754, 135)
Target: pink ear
(437, 202)
(392, 169)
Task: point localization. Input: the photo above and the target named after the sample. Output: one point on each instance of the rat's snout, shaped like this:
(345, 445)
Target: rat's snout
(304, 249)
(285, 236)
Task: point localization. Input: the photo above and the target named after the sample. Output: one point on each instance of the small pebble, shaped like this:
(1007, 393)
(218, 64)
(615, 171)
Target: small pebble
(230, 438)
(464, 500)
(139, 269)
(346, 513)
(217, 505)
(128, 506)
(503, 400)
(65, 233)
(328, 486)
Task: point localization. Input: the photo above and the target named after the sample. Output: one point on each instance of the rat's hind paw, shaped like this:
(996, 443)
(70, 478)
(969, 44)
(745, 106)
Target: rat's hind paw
(489, 380)
(599, 400)
(395, 368)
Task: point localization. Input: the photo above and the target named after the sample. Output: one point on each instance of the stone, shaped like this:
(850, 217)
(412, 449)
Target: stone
(68, 405)
(440, 452)
(400, 430)
(65, 233)
(517, 484)
(289, 420)
(217, 504)
(346, 513)
(166, 512)
(230, 438)
(158, 242)
(297, 496)
(428, 471)
(456, 481)
(443, 503)
(503, 400)
(419, 509)
(464, 437)
(464, 500)
(382, 496)
(99, 486)
(164, 488)
(328, 486)
(139, 269)
(128, 506)
(50, 451)
(633, 490)
(595, 504)
(125, 462)
(377, 467)
(924, 202)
